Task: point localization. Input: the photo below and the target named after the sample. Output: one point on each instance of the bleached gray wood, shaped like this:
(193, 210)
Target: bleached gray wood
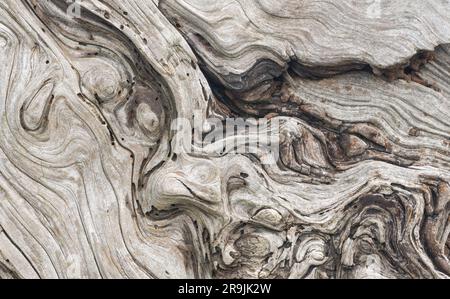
(91, 185)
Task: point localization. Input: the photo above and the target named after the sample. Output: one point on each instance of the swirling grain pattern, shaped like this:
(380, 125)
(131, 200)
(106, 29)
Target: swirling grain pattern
(93, 183)
(314, 37)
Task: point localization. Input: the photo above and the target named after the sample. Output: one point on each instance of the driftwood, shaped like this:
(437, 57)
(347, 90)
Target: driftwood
(96, 181)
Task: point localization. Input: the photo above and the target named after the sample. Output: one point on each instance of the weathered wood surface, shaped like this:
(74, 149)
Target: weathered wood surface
(91, 185)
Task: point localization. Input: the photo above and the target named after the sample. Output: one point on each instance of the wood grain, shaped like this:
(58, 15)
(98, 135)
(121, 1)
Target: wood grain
(91, 183)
